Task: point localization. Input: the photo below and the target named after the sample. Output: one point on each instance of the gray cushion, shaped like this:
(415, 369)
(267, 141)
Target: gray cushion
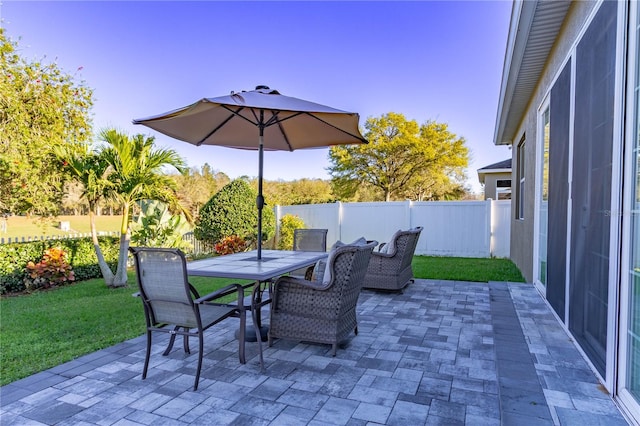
(326, 279)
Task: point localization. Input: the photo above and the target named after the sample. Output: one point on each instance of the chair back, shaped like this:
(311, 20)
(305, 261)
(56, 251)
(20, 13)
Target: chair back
(162, 279)
(405, 243)
(310, 239)
(348, 269)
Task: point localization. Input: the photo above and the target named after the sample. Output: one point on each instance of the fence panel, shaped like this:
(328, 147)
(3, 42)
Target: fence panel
(26, 239)
(321, 216)
(500, 228)
(451, 228)
(374, 221)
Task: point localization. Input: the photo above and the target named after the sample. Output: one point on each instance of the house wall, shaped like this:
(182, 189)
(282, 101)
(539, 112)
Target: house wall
(522, 235)
(491, 183)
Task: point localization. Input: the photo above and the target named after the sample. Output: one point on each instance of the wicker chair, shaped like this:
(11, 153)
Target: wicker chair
(173, 306)
(321, 311)
(390, 267)
(308, 240)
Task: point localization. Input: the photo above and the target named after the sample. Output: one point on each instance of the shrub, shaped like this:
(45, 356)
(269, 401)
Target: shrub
(232, 211)
(80, 251)
(52, 270)
(288, 223)
(230, 245)
(156, 226)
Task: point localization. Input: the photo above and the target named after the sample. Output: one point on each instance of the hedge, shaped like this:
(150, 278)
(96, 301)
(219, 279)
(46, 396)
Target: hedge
(81, 254)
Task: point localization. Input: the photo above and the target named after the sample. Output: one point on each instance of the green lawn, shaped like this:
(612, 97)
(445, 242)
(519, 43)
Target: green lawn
(466, 269)
(21, 226)
(47, 328)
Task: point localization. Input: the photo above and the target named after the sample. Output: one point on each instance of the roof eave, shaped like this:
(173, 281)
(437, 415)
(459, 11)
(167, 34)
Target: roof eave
(533, 31)
(522, 14)
(483, 172)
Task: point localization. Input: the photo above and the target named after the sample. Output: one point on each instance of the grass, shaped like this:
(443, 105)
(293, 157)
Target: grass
(47, 328)
(466, 269)
(22, 226)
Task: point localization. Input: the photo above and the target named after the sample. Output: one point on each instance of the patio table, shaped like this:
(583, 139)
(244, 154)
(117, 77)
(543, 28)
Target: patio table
(246, 266)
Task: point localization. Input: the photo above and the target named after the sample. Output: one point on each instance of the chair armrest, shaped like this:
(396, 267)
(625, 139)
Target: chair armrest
(225, 291)
(382, 255)
(305, 284)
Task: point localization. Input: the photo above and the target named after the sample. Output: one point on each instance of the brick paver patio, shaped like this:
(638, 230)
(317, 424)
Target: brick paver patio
(442, 352)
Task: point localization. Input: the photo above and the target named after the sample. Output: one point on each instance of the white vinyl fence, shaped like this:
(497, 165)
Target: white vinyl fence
(451, 228)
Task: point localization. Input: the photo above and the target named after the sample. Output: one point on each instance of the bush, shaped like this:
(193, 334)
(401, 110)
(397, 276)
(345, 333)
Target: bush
(232, 211)
(14, 258)
(51, 271)
(230, 245)
(288, 224)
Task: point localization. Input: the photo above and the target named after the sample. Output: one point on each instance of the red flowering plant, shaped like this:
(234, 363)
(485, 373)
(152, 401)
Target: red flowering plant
(231, 244)
(51, 271)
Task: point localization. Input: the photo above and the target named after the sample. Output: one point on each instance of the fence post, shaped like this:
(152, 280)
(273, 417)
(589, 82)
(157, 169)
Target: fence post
(339, 205)
(489, 225)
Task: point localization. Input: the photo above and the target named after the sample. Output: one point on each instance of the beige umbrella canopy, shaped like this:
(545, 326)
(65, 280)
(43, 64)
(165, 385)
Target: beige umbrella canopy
(260, 119)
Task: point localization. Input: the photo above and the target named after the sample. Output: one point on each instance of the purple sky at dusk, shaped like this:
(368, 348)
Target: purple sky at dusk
(428, 60)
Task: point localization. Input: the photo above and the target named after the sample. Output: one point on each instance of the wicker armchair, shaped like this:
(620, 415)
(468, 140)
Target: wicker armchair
(321, 311)
(173, 306)
(390, 267)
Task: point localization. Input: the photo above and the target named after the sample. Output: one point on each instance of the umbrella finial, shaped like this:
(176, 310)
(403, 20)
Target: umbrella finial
(262, 87)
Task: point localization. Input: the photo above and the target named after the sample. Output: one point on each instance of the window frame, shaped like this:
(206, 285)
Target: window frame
(520, 178)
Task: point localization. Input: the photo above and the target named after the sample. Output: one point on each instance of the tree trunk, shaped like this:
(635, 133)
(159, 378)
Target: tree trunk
(107, 274)
(120, 278)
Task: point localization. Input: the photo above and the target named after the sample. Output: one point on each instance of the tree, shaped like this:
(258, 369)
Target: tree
(301, 191)
(233, 212)
(127, 170)
(400, 156)
(288, 224)
(41, 107)
(197, 186)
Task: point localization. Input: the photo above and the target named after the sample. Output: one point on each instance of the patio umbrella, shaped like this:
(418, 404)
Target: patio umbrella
(260, 119)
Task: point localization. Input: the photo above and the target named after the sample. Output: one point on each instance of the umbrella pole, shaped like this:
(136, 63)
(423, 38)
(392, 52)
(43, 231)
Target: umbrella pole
(260, 198)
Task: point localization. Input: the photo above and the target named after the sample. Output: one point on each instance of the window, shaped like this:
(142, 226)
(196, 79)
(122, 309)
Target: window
(503, 189)
(520, 183)
(544, 123)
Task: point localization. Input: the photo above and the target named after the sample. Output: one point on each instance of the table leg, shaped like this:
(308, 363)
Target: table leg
(256, 307)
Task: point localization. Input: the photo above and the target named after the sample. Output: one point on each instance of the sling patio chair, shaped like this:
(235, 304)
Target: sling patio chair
(308, 240)
(324, 310)
(173, 306)
(390, 267)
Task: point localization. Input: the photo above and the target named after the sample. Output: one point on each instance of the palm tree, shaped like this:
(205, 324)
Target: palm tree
(125, 170)
(135, 174)
(89, 168)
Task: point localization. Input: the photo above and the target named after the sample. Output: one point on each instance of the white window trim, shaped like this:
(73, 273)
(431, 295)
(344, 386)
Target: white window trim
(538, 188)
(627, 400)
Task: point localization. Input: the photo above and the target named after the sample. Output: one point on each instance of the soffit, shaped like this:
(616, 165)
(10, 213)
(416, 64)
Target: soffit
(533, 30)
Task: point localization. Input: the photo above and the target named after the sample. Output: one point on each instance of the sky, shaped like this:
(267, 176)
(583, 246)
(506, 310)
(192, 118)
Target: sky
(428, 60)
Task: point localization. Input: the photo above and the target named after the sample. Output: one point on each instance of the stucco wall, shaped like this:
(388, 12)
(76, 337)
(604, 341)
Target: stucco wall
(491, 183)
(522, 234)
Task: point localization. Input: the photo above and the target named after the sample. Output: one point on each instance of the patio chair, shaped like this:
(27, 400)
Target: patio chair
(390, 267)
(173, 306)
(308, 240)
(321, 311)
